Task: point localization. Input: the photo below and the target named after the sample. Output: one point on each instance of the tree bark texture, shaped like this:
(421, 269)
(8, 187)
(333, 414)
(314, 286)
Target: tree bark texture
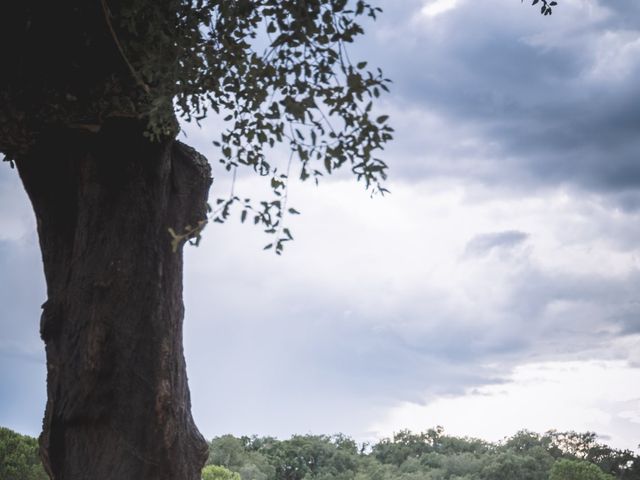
(118, 403)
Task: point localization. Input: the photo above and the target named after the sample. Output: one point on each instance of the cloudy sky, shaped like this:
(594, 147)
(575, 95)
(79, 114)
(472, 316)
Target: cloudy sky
(497, 287)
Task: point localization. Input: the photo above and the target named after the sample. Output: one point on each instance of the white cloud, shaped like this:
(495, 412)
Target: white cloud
(616, 56)
(417, 306)
(433, 8)
(581, 396)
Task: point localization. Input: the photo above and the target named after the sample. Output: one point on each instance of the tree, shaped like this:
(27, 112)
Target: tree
(215, 472)
(406, 444)
(584, 446)
(90, 97)
(511, 464)
(303, 456)
(19, 457)
(227, 451)
(239, 455)
(565, 469)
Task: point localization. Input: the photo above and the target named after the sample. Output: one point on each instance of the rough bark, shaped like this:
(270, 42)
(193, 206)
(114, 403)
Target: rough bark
(118, 401)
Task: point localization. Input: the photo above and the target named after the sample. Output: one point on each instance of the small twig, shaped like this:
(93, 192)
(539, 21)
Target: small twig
(136, 75)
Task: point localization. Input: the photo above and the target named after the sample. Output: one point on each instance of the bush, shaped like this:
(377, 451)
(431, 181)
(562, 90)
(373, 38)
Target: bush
(216, 472)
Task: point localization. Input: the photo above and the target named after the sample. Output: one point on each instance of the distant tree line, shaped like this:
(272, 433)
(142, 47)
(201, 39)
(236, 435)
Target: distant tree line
(430, 455)
(19, 457)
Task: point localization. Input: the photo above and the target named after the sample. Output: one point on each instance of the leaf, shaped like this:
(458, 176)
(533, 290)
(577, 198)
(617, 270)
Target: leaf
(327, 164)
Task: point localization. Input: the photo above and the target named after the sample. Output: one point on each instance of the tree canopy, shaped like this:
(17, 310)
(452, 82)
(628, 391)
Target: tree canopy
(19, 457)
(429, 455)
(215, 472)
(276, 71)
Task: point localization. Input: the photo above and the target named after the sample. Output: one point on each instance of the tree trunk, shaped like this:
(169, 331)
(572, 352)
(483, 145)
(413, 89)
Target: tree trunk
(118, 402)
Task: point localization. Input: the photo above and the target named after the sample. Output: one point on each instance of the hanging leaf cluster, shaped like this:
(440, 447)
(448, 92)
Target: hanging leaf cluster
(300, 88)
(545, 6)
(278, 71)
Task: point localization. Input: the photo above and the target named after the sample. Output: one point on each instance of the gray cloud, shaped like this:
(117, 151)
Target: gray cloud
(485, 243)
(513, 96)
(524, 90)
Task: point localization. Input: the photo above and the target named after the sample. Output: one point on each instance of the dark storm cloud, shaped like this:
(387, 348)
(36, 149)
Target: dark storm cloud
(536, 94)
(516, 101)
(543, 315)
(588, 309)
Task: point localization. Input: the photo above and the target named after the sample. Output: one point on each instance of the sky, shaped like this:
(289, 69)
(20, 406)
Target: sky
(495, 289)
